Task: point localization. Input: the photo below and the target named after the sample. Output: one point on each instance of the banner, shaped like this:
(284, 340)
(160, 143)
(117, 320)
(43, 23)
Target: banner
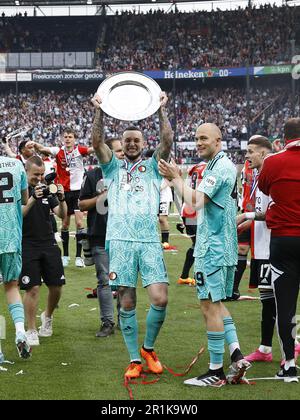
(59, 76)
(94, 75)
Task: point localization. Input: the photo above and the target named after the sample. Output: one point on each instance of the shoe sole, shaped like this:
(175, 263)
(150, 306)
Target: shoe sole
(22, 350)
(217, 385)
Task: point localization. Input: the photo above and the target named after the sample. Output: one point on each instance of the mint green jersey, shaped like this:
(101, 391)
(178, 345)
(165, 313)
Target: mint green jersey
(12, 181)
(217, 231)
(133, 199)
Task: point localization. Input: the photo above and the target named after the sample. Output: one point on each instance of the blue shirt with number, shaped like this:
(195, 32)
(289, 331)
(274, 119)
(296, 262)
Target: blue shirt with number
(12, 182)
(217, 231)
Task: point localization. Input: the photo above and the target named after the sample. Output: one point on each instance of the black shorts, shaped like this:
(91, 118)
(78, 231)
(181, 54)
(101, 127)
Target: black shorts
(72, 200)
(260, 275)
(41, 265)
(244, 238)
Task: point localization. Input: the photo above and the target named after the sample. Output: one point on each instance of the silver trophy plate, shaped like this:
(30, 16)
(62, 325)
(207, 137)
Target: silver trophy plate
(129, 96)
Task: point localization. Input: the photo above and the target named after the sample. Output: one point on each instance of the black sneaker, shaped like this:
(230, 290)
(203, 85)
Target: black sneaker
(288, 376)
(180, 227)
(106, 330)
(213, 378)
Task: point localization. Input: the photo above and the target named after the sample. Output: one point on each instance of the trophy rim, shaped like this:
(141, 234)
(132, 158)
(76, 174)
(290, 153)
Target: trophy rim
(144, 82)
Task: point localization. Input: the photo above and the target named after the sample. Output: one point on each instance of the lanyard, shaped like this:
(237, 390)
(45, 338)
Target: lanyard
(68, 157)
(254, 184)
(132, 169)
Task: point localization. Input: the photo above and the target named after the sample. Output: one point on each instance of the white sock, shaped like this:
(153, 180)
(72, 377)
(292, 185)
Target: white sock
(233, 347)
(289, 364)
(20, 327)
(213, 366)
(265, 349)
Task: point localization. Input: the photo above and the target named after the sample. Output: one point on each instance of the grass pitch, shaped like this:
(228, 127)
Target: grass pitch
(74, 364)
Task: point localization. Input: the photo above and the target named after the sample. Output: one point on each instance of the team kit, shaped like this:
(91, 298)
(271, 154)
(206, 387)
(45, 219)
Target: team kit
(125, 198)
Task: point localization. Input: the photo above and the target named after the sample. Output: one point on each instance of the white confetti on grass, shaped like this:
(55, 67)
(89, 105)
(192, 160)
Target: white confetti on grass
(73, 305)
(21, 372)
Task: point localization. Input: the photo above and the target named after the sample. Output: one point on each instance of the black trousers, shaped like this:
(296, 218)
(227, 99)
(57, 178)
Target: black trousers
(285, 264)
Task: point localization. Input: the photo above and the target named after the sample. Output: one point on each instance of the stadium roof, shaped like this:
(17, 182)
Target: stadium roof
(7, 3)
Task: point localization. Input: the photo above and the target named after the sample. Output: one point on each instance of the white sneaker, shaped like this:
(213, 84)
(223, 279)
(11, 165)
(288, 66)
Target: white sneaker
(46, 329)
(79, 262)
(32, 338)
(65, 261)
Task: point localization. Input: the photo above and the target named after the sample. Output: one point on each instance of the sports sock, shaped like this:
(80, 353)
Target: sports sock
(189, 261)
(289, 363)
(216, 348)
(17, 313)
(268, 319)
(65, 242)
(154, 322)
(129, 328)
(231, 335)
(165, 236)
(78, 244)
(241, 267)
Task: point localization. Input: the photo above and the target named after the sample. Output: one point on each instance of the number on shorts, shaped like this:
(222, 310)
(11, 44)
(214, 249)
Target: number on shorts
(6, 187)
(265, 270)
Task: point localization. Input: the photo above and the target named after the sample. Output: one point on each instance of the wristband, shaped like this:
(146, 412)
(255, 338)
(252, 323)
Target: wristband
(62, 199)
(250, 215)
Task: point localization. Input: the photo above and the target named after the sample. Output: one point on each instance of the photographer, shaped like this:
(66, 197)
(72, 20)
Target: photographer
(41, 254)
(93, 200)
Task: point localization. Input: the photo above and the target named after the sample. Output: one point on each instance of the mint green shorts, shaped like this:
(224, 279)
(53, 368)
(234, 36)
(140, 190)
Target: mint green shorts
(214, 283)
(128, 259)
(10, 266)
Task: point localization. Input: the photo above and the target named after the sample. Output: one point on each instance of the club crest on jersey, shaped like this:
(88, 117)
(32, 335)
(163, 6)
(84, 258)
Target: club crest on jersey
(113, 276)
(142, 168)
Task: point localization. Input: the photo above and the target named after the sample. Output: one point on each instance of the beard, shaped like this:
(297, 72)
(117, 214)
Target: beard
(133, 157)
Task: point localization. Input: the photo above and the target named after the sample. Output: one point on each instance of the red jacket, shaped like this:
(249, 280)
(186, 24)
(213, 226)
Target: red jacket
(280, 178)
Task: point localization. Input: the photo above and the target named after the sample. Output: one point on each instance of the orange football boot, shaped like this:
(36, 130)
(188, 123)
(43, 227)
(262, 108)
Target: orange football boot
(152, 361)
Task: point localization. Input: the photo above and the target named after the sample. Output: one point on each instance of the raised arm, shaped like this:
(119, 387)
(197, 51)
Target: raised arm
(166, 133)
(7, 149)
(42, 149)
(103, 152)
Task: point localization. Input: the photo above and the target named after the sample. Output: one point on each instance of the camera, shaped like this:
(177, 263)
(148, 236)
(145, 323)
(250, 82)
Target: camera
(50, 188)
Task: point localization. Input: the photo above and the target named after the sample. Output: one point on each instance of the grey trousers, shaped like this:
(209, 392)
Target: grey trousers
(103, 290)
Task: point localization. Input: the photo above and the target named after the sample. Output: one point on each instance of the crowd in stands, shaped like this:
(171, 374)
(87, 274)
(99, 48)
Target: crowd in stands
(49, 34)
(50, 112)
(196, 40)
(159, 40)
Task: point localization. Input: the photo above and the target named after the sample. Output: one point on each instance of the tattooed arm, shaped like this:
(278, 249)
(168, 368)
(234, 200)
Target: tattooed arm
(166, 133)
(103, 152)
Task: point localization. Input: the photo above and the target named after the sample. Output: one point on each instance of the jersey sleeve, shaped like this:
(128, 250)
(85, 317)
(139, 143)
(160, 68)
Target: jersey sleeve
(24, 183)
(53, 202)
(154, 164)
(212, 185)
(264, 178)
(54, 150)
(110, 168)
(83, 150)
(87, 190)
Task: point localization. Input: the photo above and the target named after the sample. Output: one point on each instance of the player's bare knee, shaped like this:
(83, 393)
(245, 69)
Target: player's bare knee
(33, 292)
(127, 296)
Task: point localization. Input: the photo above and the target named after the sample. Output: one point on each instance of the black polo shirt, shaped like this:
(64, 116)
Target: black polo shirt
(96, 223)
(37, 226)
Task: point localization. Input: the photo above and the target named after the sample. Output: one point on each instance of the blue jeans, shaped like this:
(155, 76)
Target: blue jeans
(104, 291)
